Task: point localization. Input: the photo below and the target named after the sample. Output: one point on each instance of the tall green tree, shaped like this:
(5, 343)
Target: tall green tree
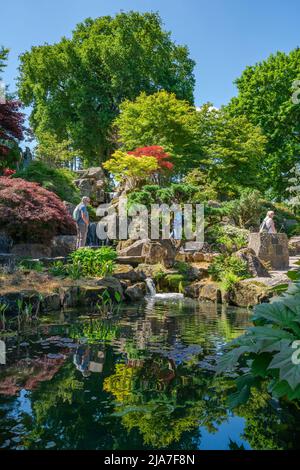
(75, 87)
(161, 119)
(268, 95)
(234, 151)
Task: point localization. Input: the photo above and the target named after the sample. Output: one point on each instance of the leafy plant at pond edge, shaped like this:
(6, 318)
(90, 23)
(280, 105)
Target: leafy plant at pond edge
(100, 262)
(269, 349)
(108, 304)
(228, 270)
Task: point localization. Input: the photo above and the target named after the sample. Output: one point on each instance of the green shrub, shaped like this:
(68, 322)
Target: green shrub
(228, 282)
(246, 211)
(58, 180)
(227, 236)
(175, 282)
(93, 263)
(223, 265)
(32, 265)
(58, 269)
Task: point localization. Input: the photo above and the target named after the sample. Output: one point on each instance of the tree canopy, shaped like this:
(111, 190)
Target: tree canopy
(265, 93)
(75, 86)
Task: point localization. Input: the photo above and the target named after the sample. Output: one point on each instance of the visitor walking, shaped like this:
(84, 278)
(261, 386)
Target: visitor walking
(81, 217)
(268, 225)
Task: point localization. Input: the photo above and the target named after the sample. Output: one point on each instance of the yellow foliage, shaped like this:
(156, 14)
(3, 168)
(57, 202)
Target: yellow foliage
(122, 165)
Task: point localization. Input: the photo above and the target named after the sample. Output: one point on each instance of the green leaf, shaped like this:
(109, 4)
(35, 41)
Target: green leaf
(287, 369)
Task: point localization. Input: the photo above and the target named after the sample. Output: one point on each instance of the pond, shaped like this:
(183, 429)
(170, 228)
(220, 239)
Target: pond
(143, 379)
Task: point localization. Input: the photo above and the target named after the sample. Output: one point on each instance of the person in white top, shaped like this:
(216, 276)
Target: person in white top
(268, 224)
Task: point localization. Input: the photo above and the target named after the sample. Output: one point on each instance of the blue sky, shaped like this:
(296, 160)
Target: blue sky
(223, 35)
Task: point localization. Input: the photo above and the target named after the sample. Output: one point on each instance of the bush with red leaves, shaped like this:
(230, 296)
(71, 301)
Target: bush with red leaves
(157, 152)
(8, 172)
(30, 213)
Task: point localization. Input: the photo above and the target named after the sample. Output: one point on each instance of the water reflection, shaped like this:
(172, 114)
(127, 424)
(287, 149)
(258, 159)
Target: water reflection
(144, 380)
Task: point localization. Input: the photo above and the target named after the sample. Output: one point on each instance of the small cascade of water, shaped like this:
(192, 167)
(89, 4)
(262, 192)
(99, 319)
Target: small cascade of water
(152, 291)
(150, 286)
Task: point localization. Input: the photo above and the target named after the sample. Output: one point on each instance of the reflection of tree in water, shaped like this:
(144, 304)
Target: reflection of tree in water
(151, 391)
(270, 425)
(164, 401)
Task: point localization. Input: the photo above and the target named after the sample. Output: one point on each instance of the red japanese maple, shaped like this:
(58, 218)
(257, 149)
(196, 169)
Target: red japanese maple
(157, 152)
(11, 127)
(8, 172)
(31, 213)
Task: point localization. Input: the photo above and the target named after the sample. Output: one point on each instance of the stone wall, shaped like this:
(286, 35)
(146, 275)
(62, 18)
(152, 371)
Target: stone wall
(271, 248)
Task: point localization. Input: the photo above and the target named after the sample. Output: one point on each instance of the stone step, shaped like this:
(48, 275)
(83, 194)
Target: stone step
(132, 260)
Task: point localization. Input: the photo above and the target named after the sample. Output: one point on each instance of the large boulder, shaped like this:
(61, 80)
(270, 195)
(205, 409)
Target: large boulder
(31, 250)
(254, 265)
(271, 248)
(136, 292)
(204, 291)
(248, 293)
(159, 251)
(127, 272)
(96, 173)
(63, 245)
(112, 285)
(133, 249)
(294, 246)
(92, 183)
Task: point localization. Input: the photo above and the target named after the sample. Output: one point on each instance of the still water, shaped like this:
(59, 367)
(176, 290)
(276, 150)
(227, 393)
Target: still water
(143, 379)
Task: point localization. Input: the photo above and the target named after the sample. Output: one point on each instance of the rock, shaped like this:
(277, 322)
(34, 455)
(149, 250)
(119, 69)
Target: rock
(248, 293)
(90, 295)
(254, 265)
(51, 302)
(149, 270)
(132, 260)
(124, 244)
(86, 187)
(134, 249)
(6, 242)
(198, 256)
(294, 246)
(193, 290)
(69, 296)
(31, 250)
(126, 272)
(204, 291)
(160, 251)
(96, 173)
(210, 291)
(271, 248)
(111, 284)
(63, 245)
(136, 292)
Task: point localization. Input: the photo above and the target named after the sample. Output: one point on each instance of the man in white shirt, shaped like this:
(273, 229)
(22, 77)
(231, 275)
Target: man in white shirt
(268, 224)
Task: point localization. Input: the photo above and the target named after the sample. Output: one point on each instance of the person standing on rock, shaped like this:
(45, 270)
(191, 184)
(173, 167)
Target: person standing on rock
(268, 225)
(81, 217)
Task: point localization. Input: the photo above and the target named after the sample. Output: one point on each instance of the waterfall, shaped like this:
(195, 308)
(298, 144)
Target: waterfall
(166, 296)
(151, 286)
